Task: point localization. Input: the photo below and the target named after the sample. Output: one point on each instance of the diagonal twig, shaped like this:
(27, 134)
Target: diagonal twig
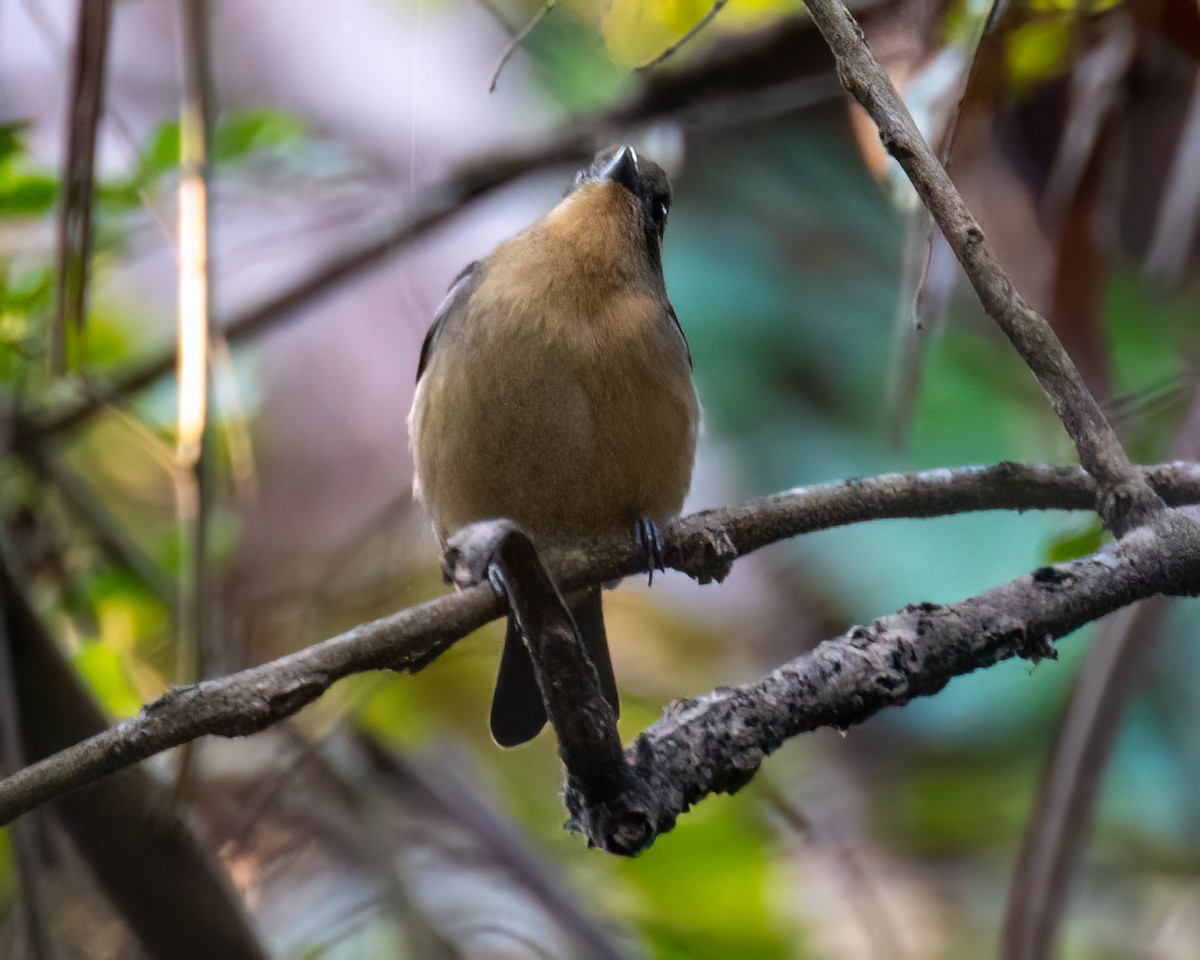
(1124, 500)
(517, 39)
(703, 22)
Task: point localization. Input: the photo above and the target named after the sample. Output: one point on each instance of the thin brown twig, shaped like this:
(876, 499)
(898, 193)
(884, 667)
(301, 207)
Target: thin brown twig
(703, 545)
(75, 207)
(866, 901)
(517, 39)
(1124, 501)
(1058, 830)
(703, 22)
(1060, 823)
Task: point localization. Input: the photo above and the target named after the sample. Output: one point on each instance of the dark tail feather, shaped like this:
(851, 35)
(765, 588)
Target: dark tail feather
(518, 712)
(517, 709)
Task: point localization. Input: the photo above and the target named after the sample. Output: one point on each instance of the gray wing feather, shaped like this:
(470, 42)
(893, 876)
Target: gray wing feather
(457, 295)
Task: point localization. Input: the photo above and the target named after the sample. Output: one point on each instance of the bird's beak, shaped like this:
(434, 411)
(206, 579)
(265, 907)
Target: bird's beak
(622, 168)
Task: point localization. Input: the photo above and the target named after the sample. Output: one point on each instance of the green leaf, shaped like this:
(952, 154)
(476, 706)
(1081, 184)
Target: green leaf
(118, 195)
(253, 130)
(103, 671)
(160, 154)
(235, 138)
(1076, 543)
(26, 291)
(1039, 50)
(12, 140)
(22, 192)
(26, 194)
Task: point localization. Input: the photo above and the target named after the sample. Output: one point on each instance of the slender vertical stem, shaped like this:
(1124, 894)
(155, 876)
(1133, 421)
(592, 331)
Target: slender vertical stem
(194, 488)
(88, 66)
(1124, 500)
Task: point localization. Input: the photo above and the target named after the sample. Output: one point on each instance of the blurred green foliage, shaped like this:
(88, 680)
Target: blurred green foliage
(24, 192)
(783, 260)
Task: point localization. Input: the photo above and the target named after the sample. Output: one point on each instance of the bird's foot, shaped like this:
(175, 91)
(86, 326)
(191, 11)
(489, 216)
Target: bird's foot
(499, 582)
(472, 556)
(649, 537)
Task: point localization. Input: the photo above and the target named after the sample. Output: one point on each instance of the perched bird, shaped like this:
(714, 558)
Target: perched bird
(555, 389)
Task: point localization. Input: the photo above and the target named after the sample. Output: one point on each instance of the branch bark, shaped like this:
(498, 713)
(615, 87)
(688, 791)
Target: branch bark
(1124, 499)
(704, 545)
(716, 743)
(584, 722)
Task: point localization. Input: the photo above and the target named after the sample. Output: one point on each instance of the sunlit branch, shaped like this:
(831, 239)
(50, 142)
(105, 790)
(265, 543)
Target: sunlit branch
(194, 485)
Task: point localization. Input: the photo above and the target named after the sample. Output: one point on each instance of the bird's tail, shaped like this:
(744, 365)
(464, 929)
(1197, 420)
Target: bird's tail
(518, 712)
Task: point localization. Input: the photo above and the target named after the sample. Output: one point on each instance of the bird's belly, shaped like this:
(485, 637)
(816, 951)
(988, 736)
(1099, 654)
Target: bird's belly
(569, 453)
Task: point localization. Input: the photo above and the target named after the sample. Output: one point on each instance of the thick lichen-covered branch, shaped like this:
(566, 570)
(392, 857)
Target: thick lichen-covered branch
(717, 742)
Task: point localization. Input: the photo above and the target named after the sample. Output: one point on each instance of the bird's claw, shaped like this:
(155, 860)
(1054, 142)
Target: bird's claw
(499, 582)
(471, 555)
(649, 537)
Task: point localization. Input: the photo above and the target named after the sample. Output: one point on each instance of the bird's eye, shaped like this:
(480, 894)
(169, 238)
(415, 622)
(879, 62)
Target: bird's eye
(663, 210)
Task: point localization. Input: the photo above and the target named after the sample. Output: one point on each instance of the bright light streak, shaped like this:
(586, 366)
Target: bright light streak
(193, 316)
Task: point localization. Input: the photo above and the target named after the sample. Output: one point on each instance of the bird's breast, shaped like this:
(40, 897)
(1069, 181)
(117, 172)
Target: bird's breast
(567, 407)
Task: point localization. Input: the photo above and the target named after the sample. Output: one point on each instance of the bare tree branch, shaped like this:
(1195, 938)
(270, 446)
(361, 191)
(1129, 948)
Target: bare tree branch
(716, 743)
(1124, 499)
(704, 545)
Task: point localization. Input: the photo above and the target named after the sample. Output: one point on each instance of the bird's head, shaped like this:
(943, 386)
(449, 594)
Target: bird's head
(617, 207)
(645, 180)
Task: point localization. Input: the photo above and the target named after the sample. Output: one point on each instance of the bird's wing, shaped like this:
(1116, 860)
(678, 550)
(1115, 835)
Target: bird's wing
(456, 296)
(687, 351)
